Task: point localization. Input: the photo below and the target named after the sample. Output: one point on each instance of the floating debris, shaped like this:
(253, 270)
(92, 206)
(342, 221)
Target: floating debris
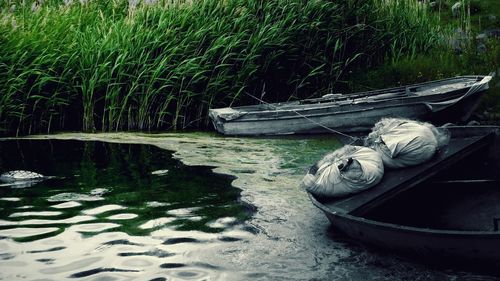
(67, 197)
(21, 178)
(154, 204)
(98, 191)
(20, 175)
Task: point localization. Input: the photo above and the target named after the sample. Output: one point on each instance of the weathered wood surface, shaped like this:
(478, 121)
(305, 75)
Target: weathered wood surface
(442, 101)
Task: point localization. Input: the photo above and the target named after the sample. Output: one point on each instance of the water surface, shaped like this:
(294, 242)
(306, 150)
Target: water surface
(191, 207)
(133, 205)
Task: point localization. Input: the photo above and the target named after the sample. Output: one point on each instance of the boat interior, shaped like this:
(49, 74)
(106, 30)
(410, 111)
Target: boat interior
(424, 89)
(464, 197)
(459, 189)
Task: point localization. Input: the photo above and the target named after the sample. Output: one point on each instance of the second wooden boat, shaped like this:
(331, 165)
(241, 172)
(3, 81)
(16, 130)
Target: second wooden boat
(441, 101)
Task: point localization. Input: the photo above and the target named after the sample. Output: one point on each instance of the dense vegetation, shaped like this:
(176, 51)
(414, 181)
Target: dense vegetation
(148, 65)
(461, 52)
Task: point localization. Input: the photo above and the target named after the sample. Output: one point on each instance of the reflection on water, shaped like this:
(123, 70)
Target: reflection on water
(111, 210)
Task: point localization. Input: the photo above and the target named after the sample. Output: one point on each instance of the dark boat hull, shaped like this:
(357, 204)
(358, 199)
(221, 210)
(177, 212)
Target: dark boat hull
(429, 244)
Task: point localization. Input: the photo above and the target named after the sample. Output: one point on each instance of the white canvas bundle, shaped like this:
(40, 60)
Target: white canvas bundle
(403, 143)
(365, 171)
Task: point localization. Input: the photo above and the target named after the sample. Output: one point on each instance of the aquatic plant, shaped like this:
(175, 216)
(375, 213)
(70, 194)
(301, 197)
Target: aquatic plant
(132, 65)
(410, 27)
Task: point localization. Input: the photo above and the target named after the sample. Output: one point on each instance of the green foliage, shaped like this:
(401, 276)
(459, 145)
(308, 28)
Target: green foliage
(475, 14)
(436, 65)
(470, 56)
(111, 65)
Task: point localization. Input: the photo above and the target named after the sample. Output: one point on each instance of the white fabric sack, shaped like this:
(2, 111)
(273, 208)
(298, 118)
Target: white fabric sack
(365, 171)
(403, 143)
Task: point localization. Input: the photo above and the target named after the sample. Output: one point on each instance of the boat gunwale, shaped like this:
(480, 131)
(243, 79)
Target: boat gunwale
(365, 94)
(376, 104)
(476, 77)
(314, 115)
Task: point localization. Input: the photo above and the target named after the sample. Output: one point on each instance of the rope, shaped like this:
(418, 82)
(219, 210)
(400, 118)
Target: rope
(354, 139)
(475, 87)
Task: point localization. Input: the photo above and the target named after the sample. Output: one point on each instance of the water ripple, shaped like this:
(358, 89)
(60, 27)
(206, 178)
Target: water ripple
(72, 220)
(99, 270)
(172, 265)
(183, 212)
(191, 274)
(6, 256)
(76, 265)
(121, 242)
(172, 241)
(156, 222)
(103, 209)
(47, 250)
(23, 232)
(25, 207)
(159, 279)
(137, 262)
(154, 204)
(93, 227)
(46, 261)
(229, 239)
(124, 216)
(154, 253)
(39, 213)
(222, 222)
(11, 199)
(67, 205)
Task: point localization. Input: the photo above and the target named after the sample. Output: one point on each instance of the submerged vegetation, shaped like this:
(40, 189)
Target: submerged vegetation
(149, 65)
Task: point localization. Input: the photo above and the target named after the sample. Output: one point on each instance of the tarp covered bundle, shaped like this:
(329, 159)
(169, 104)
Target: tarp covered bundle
(403, 143)
(345, 171)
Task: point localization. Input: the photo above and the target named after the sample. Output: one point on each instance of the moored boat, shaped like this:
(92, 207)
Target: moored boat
(440, 101)
(445, 210)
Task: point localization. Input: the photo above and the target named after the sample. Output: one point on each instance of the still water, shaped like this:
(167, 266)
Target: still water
(187, 207)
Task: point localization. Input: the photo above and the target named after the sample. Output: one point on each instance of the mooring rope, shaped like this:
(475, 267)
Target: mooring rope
(354, 139)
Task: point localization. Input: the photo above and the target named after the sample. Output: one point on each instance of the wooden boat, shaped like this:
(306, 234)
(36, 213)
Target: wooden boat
(446, 210)
(441, 101)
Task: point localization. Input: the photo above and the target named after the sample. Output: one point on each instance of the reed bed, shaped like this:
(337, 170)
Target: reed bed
(153, 65)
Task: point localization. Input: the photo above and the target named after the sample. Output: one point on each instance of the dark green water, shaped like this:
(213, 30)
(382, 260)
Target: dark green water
(102, 195)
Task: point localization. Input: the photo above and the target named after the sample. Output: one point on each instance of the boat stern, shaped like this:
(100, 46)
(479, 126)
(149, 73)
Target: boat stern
(217, 122)
(224, 117)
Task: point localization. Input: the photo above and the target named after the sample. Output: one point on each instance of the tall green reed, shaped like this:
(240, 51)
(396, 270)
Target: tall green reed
(115, 66)
(411, 29)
